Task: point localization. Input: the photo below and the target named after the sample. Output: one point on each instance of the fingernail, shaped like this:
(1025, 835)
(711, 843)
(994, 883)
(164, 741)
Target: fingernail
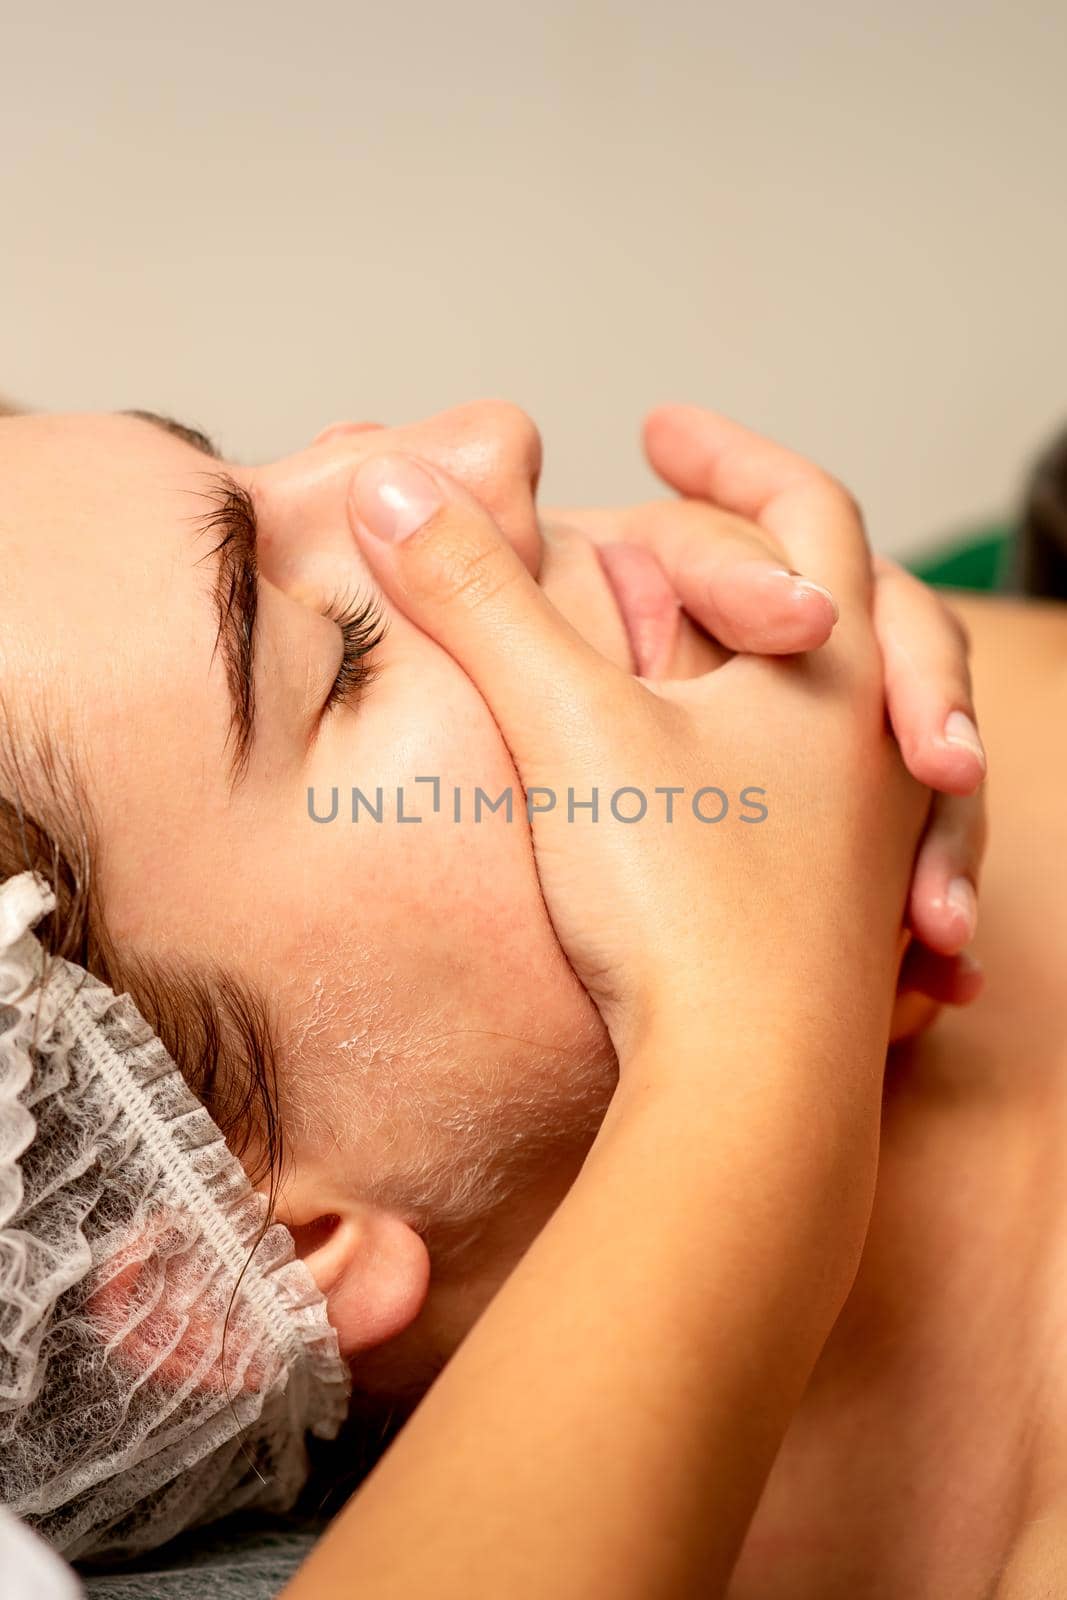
(970, 963)
(961, 732)
(961, 897)
(393, 497)
(802, 585)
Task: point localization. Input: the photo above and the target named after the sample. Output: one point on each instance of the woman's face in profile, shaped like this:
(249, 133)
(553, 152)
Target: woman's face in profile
(435, 1048)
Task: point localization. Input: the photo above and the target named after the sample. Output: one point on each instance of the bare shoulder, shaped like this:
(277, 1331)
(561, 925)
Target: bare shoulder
(1020, 618)
(1018, 648)
(1036, 1568)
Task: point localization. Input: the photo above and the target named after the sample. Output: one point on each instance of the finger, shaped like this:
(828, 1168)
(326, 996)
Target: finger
(912, 1014)
(708, 456)
(440, 557)
(944, 980)
(929, 982)
(927, 681)
(943, 904)
(730, 576)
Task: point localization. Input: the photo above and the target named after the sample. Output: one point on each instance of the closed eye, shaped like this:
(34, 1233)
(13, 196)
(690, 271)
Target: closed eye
(363, 626)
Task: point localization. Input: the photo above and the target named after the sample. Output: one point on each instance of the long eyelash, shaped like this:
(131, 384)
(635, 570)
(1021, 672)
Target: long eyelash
(363, 626)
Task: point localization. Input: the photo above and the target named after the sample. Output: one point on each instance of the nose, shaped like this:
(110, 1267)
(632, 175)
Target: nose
(494, 449)
(304, 544)
(345, 430)
(492, 443)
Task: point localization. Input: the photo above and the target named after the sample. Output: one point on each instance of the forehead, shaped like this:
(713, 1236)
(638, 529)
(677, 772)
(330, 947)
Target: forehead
(55, 458)
(91, 499)
(98, 535)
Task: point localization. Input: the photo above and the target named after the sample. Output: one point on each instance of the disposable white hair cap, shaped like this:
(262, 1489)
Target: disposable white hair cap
(159, 1367)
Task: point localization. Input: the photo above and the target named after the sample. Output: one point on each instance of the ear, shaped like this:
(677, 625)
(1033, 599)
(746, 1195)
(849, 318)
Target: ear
(371, 1265)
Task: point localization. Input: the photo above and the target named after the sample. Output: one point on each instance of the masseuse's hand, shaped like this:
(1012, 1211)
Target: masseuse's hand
(676, 1302)
(721, 919)
(735, 575)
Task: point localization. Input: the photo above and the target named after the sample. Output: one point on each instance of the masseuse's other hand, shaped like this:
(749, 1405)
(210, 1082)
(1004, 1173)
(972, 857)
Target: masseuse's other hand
(736, 575)
(723, 914)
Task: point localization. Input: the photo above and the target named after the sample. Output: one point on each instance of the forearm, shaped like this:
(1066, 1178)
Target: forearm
(608, 1424)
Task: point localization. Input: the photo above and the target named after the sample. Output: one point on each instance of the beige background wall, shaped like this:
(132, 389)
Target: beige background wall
(843, 222)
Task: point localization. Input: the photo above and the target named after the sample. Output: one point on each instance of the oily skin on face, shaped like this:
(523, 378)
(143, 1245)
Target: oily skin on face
(438, 1053)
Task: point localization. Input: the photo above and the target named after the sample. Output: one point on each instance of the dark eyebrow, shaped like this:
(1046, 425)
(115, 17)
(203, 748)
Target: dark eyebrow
(180, 430)
(231, 522)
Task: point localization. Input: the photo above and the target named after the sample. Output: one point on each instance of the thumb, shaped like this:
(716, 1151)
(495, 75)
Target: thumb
(442, 560)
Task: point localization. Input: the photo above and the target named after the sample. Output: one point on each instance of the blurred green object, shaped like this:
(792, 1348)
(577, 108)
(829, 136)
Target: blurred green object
(981, 560)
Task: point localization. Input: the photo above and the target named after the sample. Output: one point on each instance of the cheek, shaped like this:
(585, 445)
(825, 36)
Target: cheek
(446, 910)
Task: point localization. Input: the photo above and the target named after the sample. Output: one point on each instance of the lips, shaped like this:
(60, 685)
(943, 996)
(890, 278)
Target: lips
(647, 603)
